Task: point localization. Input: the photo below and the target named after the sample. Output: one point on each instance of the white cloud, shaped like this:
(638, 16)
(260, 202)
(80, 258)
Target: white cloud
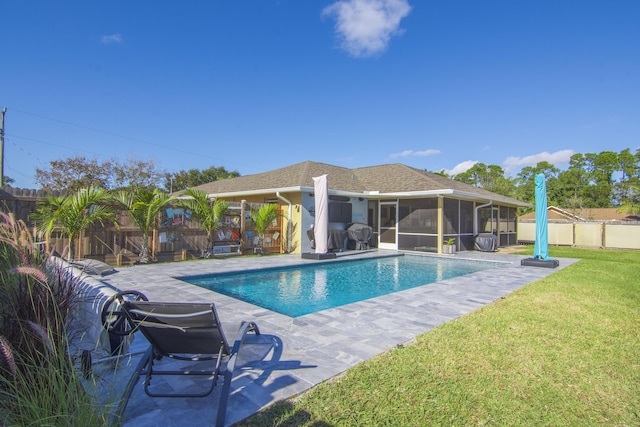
(112, 38)
(461, 167)
(411, 153)
(364, 27)
(559, 157)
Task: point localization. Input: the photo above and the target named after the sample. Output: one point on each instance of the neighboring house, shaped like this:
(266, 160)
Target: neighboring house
(583, 214)
(409, 209)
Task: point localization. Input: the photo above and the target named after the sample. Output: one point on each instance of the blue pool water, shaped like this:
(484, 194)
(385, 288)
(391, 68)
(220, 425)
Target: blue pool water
(296, 291)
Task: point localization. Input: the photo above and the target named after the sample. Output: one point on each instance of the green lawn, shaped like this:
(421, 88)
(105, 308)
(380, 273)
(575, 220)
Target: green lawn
(563, 351)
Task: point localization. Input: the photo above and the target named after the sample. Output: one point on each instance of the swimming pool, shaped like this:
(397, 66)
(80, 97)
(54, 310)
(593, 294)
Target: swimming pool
(300, 290)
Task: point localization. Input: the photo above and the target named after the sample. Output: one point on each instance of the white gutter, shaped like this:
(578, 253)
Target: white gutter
(475, 216)
(255, 192)
(289, 225)
(465, 195)
(373, 194)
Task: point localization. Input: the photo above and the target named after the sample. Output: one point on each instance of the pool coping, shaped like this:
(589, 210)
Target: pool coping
(308, 349)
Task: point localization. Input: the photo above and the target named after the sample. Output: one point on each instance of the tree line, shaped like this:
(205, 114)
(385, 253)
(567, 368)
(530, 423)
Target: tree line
(593, 180)
(68, 175)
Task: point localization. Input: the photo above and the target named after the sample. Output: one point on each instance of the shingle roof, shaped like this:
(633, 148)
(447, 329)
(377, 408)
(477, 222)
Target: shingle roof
(390, 178)
(585, 214)
(296, 176)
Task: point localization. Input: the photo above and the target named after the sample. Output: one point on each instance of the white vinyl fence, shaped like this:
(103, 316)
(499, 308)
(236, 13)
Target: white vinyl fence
(592, 234)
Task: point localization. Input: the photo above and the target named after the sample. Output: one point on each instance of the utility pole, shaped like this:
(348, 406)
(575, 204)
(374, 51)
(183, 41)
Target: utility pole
(4, 110)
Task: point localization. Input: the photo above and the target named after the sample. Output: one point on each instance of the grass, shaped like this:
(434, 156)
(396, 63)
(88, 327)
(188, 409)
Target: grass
(563, 351)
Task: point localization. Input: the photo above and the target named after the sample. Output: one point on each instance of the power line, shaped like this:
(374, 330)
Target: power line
(23, 150)
(18, 172)
(89, 128)
(51, 144)
(181, 150)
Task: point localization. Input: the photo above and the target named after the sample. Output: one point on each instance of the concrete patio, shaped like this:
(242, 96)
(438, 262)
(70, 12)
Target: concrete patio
(294, 354)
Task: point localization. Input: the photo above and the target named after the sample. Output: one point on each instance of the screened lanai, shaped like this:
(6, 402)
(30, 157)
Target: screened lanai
(423, 224)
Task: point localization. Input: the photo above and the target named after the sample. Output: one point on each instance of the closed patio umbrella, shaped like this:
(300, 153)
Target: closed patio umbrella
(321, 223)
(321, 227)
(541, 247)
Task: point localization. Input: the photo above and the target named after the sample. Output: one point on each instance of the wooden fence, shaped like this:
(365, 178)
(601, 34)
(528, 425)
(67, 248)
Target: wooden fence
(178, 237)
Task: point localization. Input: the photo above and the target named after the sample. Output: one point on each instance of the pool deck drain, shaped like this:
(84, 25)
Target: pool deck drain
(294, 354)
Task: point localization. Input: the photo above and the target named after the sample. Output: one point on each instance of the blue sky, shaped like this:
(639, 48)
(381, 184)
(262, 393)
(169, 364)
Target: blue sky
(257, 85)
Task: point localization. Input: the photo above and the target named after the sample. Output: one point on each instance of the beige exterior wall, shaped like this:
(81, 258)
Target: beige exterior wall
(296, 222)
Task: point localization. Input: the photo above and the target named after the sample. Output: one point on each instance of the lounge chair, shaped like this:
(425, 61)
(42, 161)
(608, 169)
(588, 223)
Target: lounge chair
(93, 266)
(187, 332)
(87, 265)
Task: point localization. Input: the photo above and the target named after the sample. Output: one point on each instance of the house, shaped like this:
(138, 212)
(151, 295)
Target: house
(408, 208)
(583, 214)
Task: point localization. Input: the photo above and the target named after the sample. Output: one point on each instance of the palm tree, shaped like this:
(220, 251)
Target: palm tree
(143, 205)
(208, 212)
(71, 214)
(262, 219)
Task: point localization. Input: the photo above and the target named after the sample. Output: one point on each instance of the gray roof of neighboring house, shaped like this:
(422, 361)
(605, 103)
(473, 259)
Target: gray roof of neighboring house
(384, 180)
(584, 214)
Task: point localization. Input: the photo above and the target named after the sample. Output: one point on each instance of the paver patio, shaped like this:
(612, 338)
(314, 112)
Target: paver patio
(294, 354)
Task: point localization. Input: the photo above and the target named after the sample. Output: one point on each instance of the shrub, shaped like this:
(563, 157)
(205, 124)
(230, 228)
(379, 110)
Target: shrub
(38, 383)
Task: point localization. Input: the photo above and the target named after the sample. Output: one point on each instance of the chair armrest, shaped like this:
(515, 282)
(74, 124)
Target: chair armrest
(245, 328)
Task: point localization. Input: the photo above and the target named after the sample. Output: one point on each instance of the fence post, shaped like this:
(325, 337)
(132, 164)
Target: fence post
(117, 238)
(153, 244)
(79, 245)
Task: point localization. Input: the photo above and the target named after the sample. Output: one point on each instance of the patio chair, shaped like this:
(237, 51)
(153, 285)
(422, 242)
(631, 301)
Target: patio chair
(93, 266)
(187, 332)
